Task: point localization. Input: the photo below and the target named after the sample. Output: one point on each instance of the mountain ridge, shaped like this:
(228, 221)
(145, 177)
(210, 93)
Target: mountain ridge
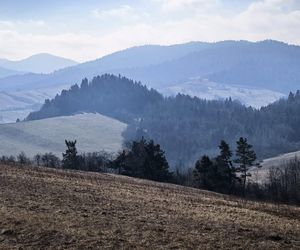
(38, 63)
(159, 66)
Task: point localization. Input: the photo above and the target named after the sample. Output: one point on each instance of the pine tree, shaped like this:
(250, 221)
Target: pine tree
(120, 162)
(70, 158)
(225, 170)
(225, 152)
(204, 173)
(156, 166)
(246, 158)
(144, 159)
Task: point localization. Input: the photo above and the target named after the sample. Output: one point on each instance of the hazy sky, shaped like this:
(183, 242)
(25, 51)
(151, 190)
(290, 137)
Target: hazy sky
(87, 29)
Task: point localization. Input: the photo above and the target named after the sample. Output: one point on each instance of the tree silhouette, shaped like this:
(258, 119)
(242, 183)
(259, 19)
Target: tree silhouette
(70, 158)
(204, 173)
(143, 159)
(246, 158)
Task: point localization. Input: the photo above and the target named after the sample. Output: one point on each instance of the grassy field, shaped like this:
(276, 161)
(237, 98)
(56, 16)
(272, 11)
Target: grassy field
(93, 132)
(56, 209)
(261, 174)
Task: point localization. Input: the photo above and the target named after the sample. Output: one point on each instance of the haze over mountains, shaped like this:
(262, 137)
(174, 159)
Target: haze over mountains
(184, 126)
(253, 73)
(43, 63)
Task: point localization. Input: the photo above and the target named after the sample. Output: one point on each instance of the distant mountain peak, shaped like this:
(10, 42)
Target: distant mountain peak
(38, 63)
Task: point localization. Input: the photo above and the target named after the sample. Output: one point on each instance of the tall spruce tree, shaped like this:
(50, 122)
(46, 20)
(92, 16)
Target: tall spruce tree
(246, 158)
(225, 171)
(70, 158)
(205, 173)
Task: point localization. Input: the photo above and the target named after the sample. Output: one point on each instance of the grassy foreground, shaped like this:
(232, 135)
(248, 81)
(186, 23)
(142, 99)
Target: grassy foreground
(55, 209)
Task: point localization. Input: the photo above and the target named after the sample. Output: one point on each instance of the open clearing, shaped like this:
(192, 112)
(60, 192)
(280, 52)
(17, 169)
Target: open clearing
(261, 174)
(56, 209)
(93, 132)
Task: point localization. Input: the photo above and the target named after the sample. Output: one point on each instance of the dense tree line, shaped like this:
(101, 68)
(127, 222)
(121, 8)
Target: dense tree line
(227, 173)
(184, 126)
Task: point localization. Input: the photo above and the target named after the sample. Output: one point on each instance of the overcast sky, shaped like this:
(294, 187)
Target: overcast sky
(87, 29)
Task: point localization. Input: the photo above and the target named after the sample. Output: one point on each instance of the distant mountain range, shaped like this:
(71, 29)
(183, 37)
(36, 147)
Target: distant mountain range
(255, 73)
(39, 63)
(268, 64)
(7, 72)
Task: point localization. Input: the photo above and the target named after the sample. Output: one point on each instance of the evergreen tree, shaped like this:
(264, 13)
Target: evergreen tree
(246, 158)
(156, 166)
(119, 162)
(225, 171)
(70, 158)
(143, 159)
(225, 152)
(205, 173)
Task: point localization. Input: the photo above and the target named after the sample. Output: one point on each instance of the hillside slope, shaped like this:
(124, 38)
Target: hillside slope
(204, 89)
(93, 132)
(46, 208)
(261, 174)
(18, 104)
(39, 63)
(7, 72)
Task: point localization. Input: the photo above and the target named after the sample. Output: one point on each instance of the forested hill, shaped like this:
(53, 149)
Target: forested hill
(109, 95)
(185, 127)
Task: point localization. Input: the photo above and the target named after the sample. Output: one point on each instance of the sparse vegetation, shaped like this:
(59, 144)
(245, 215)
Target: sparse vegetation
(145, 159)
(283, 184)
(48, 208)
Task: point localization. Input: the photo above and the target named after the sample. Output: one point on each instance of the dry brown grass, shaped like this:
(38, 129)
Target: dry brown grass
(45, 208)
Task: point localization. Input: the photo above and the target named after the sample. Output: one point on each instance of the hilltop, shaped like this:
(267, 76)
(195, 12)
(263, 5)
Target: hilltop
(39, 63)
(47, 208)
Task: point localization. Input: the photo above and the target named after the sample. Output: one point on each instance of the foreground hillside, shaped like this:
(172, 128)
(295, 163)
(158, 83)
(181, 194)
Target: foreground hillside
(45, 208)
(93, 132)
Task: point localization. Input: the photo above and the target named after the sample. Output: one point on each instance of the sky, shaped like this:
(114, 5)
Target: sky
(84, 30)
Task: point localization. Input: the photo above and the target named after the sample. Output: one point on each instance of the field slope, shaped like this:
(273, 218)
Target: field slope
(55, 209)
(93, 132)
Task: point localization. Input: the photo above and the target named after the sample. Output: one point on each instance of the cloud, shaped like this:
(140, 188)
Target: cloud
(21, 24)
(187, 5)
(124, 12)
(264, 19)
